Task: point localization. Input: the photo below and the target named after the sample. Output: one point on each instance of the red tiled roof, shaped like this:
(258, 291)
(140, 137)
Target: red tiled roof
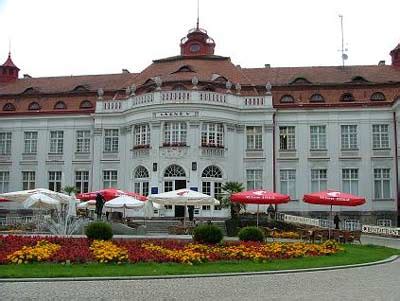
(204, 67)
(64, 84)
(9, 62)
(323, 74)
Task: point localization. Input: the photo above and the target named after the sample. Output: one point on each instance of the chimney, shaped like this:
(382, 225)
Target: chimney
(382, 63)
(238, 66)
(27, 76)
(125, 71)
(267, 65)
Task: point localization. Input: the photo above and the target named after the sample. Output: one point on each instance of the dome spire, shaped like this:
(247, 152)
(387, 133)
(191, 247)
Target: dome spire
(8, 71)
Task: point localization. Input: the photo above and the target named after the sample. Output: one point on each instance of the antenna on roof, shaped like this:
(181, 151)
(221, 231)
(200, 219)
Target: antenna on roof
(198, 14)
(343, 50)
(9, 46)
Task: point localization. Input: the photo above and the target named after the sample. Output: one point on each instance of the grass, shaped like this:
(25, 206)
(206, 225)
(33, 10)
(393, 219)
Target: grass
(353, 254)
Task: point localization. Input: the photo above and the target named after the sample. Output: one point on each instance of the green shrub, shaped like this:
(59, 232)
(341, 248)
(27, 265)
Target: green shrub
(251, 234)
(99, 230)
(232, 226)
(207, 234)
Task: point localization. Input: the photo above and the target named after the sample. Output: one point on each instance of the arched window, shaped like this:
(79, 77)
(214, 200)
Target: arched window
(185, 68)
(211, 183)
(34, 106)
(173, 171)
(9, 107)
(212, 171)
(287, 99)
(378, 96)
(359, 80)
(141, 180)
(317, 98)
(141, 172)
(300, 81)
(347, 97)
(60, 105)
(86, 104)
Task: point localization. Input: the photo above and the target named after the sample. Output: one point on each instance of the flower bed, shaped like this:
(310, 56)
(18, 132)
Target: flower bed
(17, 249)
(285, 234)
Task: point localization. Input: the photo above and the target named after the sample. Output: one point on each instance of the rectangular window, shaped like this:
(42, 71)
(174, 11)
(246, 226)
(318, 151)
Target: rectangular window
(56, 142)
(28, 180)
(319, 180)
(384, 222)
(206, 188)
(4, 181)
(288, 182)
(349, 137)
(30, 142)
(212, 134)
(350, 180)
(5, 143)
(168, 186)
(142, 135)
(318, 137)
(83, 141)
(382, 183)
(287, 138)
(380, 136)
(142, 188)
(110, 178)
(111, 137)
(55, 180)
(254, 179)
(82, 181)
(254, 137)
(175, 134)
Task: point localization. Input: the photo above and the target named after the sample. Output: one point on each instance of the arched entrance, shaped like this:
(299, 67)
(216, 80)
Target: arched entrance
(175, 178)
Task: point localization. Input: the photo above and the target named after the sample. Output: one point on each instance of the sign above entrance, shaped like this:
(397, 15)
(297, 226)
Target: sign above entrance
(176, 114)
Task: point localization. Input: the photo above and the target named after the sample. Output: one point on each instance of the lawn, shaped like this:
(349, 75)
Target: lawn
(353, 254)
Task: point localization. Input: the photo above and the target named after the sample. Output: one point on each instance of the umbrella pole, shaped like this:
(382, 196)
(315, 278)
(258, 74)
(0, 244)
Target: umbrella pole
(258, 206)
(329, 224)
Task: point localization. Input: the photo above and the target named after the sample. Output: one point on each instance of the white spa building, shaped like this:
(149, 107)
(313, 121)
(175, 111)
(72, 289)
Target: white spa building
(197, 120)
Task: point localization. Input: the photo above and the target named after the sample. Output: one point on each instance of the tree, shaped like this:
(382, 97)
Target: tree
(229, 188)
(70, 189)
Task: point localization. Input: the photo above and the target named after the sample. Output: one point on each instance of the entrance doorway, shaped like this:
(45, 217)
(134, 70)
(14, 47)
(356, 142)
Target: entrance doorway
(175, 178)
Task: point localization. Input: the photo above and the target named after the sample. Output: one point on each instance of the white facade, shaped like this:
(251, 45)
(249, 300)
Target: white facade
(238, 139)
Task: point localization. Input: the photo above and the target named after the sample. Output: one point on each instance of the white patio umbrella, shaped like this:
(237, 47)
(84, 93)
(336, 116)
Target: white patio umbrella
(87, 204)
(124, 202)
(184, 197)
(41, 201)
(21, 196)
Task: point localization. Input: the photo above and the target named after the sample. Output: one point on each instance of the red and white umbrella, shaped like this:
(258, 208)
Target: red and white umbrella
(333, 198)
(259, 196)
(109, 194)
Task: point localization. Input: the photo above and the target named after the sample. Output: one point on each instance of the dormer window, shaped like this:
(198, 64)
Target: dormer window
(185, 68)
(86, 104)
(287, 99)
(179, 87)
(317, 98)
(378, 96)
(60, 105)
(9, 107)
(300, 81)
(30, 90)
(218, 78)
(359, 80)
(34, 106)
(81, 88)
(347, 97)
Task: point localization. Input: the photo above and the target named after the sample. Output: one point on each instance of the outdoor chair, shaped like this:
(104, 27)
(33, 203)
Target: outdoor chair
(356, 236)
(305, 235)
(318, 235)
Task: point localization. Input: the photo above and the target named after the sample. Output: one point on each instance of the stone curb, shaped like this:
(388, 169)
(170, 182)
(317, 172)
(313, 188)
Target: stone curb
(340, 267)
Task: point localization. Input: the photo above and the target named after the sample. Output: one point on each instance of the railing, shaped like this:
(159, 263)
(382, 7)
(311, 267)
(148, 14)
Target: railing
(254, 101)
(142, 99)
(212, 97)
(19, 220)
(176, 96)
(348, 225)
(112, 105)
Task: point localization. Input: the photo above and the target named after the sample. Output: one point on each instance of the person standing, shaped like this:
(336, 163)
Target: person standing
(99, 205)
(336, 220)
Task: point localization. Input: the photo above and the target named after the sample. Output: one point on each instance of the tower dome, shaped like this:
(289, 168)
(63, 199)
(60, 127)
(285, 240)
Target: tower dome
(197, 43)
(395, 54)
(8, 71)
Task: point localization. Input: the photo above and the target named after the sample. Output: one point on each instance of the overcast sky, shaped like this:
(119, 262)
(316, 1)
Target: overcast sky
(64, 37)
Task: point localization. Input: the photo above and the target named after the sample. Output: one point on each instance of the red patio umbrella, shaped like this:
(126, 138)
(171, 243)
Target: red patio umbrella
(109, 194)
(259, 196)
(333, 198)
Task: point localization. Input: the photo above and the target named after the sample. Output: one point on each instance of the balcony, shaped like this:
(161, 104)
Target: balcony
(213, 151)
(186, 96)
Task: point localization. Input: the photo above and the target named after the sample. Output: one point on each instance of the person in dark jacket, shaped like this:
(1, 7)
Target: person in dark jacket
(336, 220)
(99, 205)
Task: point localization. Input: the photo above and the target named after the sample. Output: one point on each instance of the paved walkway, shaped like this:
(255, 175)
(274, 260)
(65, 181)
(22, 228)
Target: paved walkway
(378, 282)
